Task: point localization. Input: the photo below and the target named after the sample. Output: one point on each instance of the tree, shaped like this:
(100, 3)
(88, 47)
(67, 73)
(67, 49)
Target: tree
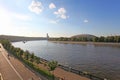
(52, 65)
(37, 59)
(31, 57)
(19, 52)
(101, 39)
(26, 55)
(95, 39)
(117, 39)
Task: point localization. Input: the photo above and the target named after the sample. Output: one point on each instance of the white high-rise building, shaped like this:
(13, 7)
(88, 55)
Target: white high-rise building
(47, 36)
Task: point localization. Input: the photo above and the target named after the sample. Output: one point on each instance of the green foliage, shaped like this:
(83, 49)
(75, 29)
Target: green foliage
(31, 57)
(26, 55)
(52, 65)
(27, 58)
(37, 59)
(85, 39)
(43, 72)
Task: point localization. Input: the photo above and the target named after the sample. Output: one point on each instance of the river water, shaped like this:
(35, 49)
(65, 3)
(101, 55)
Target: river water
(103, 61)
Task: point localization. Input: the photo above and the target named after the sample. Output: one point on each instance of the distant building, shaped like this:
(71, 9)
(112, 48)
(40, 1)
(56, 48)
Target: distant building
(47, 36)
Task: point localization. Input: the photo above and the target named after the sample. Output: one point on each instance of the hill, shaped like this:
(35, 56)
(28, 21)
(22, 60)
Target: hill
(88, 36)
(20, 38)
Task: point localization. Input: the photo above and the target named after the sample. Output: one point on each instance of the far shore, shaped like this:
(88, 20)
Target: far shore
(88, 43)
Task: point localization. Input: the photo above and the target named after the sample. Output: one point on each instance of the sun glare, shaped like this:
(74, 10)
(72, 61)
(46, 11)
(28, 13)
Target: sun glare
(5, 20)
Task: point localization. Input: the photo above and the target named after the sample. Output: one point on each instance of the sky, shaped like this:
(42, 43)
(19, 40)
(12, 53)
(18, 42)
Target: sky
(59, 18)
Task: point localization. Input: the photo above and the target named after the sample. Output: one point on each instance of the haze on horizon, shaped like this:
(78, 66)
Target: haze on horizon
(59, 17)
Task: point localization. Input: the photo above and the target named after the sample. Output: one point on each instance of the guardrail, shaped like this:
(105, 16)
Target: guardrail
(82, 73)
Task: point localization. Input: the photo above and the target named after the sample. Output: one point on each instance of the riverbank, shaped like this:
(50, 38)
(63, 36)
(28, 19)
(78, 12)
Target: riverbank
(96, 60)
(88, 43)
(20, 63)
(13, 69)
(62, 71)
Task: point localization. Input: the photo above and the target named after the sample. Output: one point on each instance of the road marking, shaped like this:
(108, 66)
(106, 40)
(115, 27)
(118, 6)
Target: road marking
(10, 64)
(1, 78)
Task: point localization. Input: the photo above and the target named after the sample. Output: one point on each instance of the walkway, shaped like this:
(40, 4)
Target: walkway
(13, 69)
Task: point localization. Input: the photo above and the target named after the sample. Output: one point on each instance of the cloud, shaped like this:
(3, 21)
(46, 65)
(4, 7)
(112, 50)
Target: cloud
(22, 17)
(36, 7)
(52, 6)
(61, 13)
(85, 21)
(55, 21)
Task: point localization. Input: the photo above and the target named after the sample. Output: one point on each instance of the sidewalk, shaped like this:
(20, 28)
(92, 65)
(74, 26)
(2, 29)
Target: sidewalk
(9, 74)
(6, 70)
(68, 75)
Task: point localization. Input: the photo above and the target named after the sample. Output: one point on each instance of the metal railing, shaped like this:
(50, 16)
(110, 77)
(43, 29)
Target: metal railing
(82, 73)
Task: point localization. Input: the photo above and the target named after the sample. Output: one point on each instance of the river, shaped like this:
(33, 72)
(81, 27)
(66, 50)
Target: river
(103, 61)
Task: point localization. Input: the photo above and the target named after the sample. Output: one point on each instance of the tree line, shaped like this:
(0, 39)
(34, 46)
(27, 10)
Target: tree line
(115, 39)
(30, 59)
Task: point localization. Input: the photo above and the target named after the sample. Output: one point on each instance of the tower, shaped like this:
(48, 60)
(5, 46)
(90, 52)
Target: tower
(47, 36)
